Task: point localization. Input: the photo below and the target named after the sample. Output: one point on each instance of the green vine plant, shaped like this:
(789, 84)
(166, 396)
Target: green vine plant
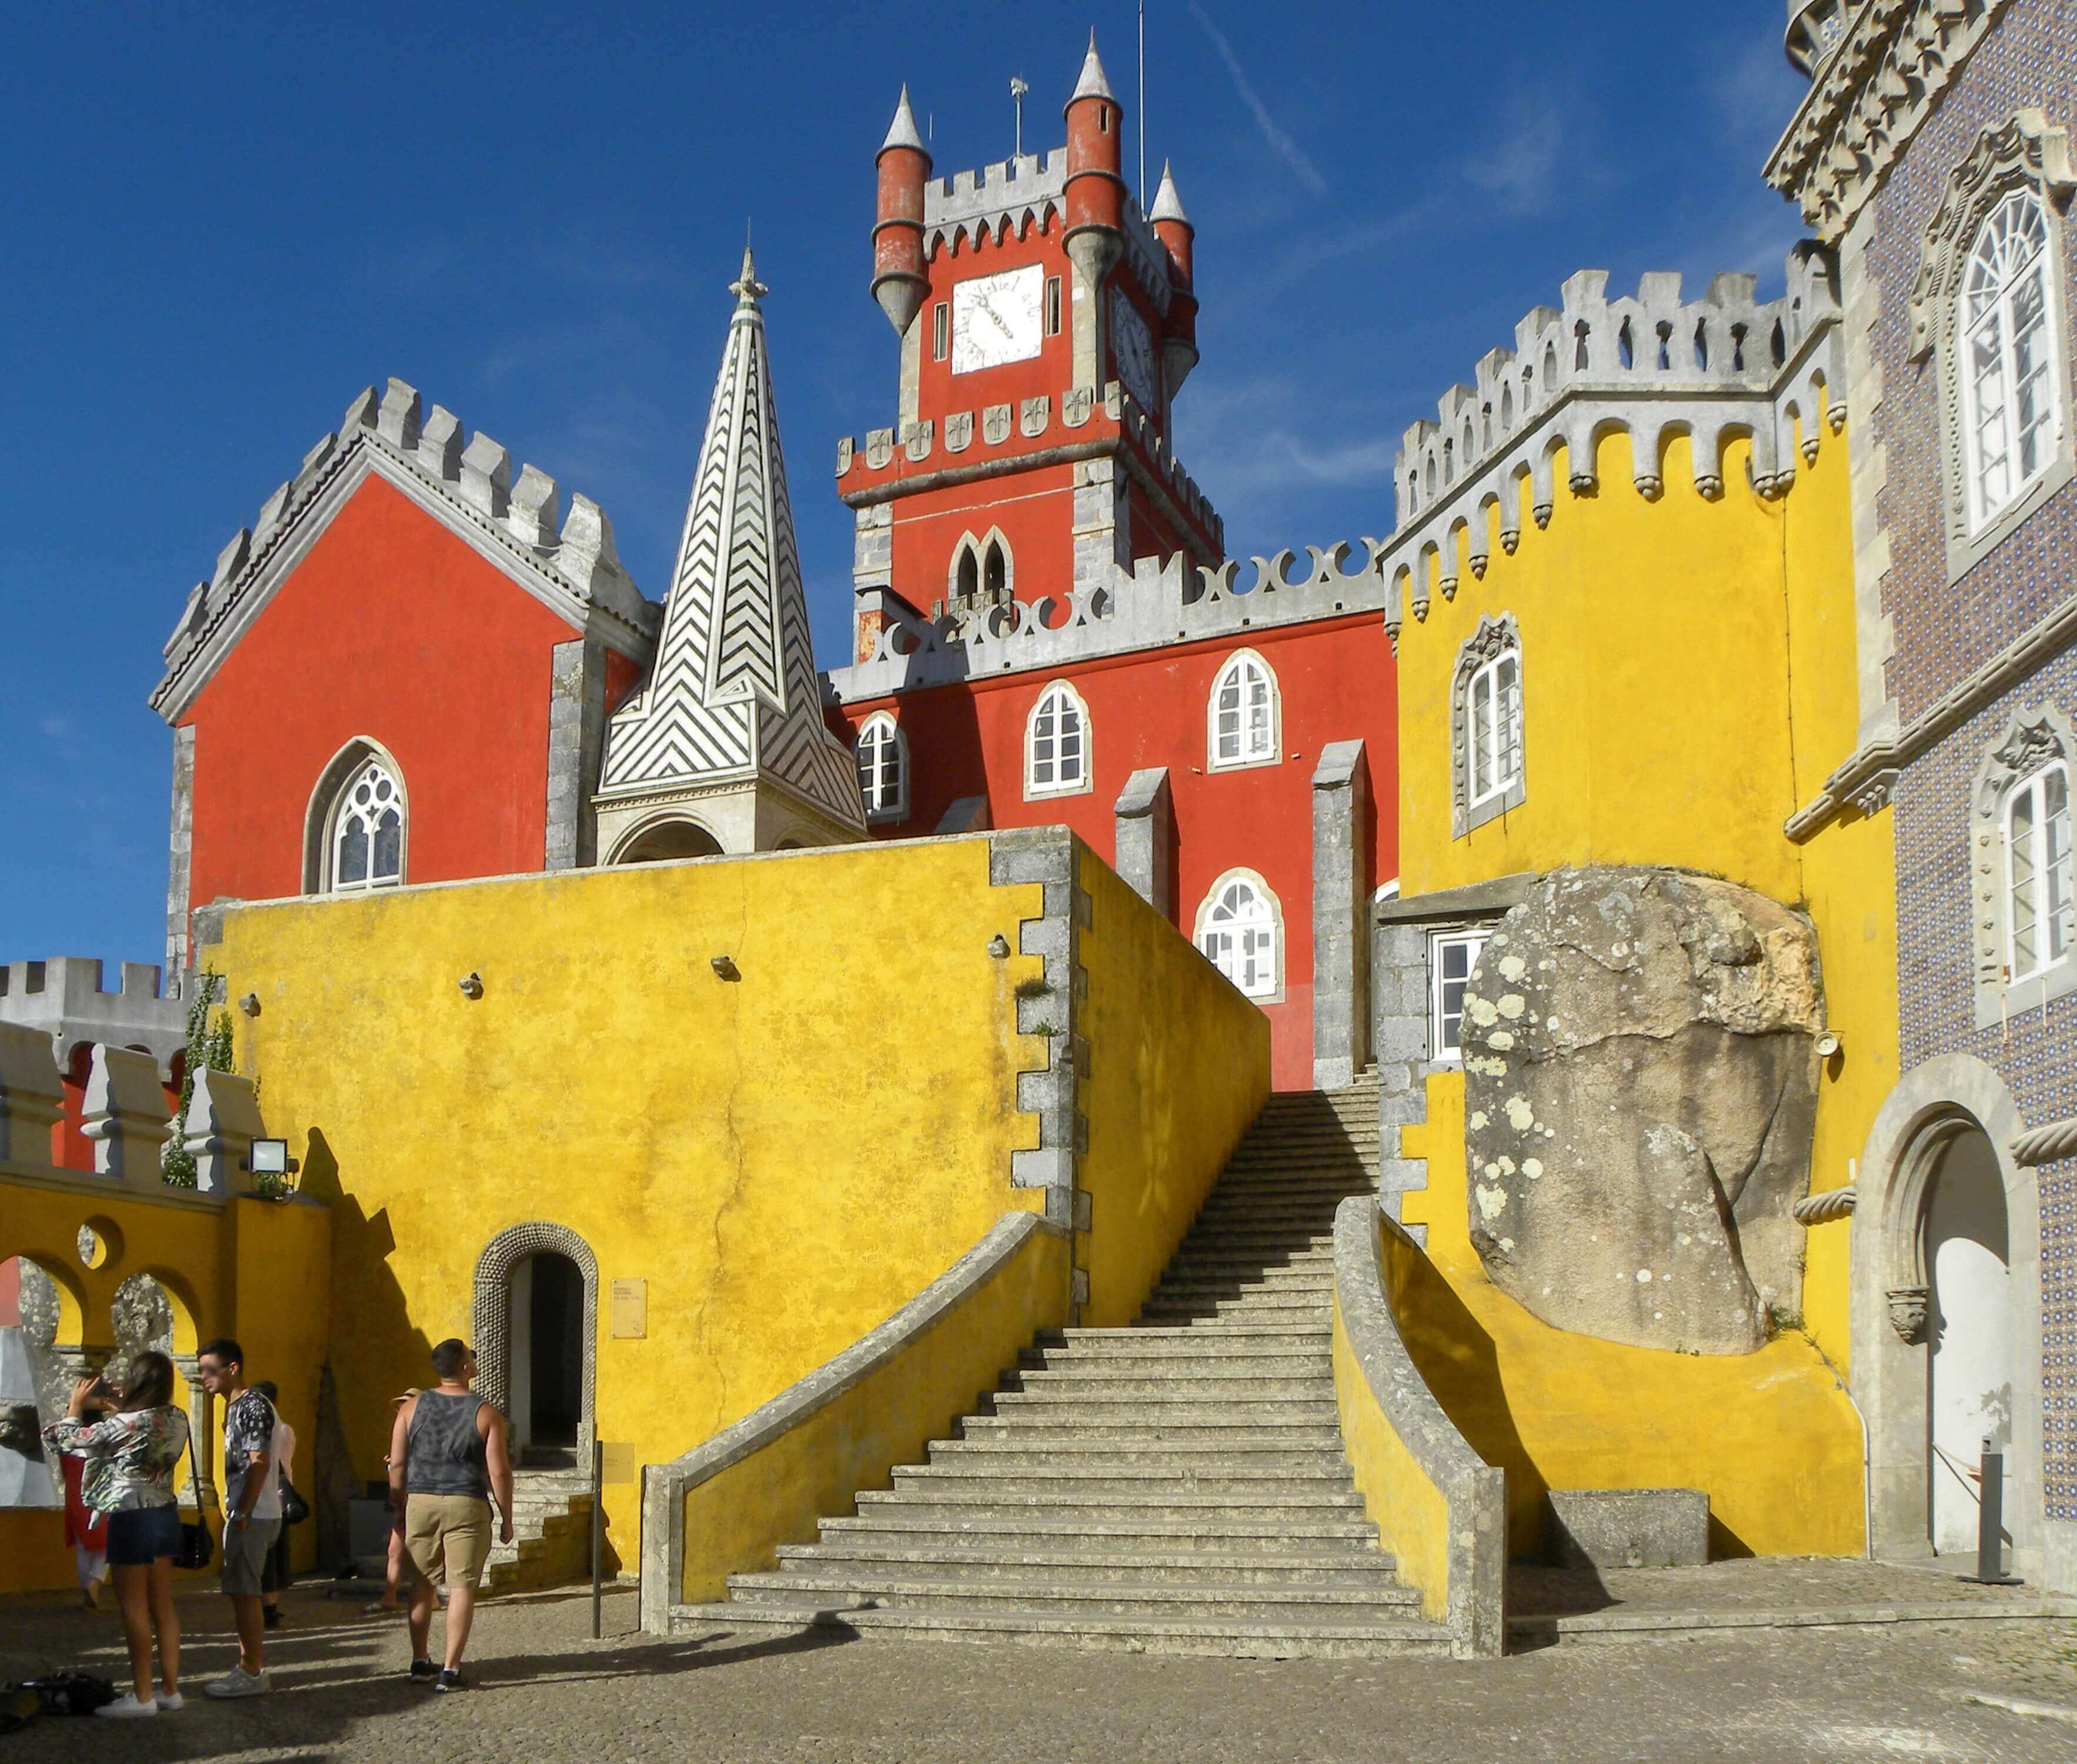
(209, 1049)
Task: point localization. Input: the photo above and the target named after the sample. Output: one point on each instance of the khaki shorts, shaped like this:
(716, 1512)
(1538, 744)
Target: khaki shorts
(450, 1533)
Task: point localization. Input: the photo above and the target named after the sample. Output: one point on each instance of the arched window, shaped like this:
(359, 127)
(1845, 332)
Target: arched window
(2039, 933)
(966, 573)
(995, 573)
(1486, 726)
(2007, 357)
(1240, 931)
(1056, 744)
(1243, 715)
(364, 834)
(883, 768)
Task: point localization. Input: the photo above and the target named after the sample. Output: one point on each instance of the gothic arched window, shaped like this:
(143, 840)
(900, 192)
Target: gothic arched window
(2007, 348)
(364, 836)
(1239, 932)
(1242, 714)
(883, 768)
(1056, 743)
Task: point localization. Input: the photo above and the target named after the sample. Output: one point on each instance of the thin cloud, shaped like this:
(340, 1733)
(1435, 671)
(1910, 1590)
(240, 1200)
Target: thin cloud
(1521, 170)
(1287, 149)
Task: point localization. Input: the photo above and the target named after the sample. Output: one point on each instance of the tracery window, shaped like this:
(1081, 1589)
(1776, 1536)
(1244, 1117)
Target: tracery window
(1239, 933)
(2012, 422)
(365, 844)
(1242, 712)
(1056, 744)
(883, 768)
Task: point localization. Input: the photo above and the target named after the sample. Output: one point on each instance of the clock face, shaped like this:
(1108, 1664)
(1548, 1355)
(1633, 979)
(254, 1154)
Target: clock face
(998, 318)
(1132, 352)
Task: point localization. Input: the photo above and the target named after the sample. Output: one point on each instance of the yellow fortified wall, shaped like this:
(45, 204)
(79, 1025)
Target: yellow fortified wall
(1689, 678)
(785, 1158)
(256, 1270)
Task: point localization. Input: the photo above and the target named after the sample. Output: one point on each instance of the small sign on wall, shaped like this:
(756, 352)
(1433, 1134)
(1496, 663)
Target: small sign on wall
(630, 1310)
(616, 1461)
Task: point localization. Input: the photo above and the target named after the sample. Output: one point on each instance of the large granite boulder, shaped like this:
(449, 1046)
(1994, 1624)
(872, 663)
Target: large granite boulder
(1640, 1089)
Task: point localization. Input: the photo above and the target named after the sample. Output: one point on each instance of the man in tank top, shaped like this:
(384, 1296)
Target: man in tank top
(447, 1457)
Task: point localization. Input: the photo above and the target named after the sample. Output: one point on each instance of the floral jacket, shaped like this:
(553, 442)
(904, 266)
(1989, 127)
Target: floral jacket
(130, 1457)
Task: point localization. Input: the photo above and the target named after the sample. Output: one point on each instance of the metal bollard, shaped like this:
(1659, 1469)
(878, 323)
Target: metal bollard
(1990, 1522)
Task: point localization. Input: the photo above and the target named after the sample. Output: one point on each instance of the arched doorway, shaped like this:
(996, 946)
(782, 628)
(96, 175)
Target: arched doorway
(547, 1358)
(1968, 1333)
(667, 839)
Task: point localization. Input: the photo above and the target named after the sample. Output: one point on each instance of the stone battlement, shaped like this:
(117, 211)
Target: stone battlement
(65, 998)
(426, 454)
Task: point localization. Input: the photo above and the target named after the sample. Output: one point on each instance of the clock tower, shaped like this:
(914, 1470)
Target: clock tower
(1045, 326)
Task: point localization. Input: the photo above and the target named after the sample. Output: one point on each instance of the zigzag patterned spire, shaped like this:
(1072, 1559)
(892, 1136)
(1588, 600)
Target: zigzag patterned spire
(734, 671)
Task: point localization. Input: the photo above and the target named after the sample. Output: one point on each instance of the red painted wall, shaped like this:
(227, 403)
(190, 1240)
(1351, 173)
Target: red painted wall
(1337, 681)
(394, 629)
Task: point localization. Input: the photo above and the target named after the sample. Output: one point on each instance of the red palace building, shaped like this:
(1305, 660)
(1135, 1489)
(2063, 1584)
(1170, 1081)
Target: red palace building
(1045, 628)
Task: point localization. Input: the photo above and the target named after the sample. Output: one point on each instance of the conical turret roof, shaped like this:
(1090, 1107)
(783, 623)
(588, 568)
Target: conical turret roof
(902, 131)
(1093, 83)
(1167, 204)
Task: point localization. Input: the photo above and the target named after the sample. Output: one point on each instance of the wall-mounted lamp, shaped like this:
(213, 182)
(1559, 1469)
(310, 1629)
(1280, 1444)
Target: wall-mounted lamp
(998, 946)
(269, 1157)
(725, 967)
(250, 1003)
(472, 985)
(1828, 1044)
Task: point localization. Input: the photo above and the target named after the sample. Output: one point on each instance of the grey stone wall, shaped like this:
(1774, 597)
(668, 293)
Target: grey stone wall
(1340, 930)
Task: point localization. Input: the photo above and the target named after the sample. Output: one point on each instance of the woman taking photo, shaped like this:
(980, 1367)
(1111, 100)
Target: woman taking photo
(131, 1451)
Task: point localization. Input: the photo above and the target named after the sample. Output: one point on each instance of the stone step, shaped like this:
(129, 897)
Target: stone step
(1207, 1533)
(1315, 1362)
(1221, 1637)
(984, 1510)
(1051, 1408)
(1270, 1283)
(1113, 1599)
(1194, 1385)
(1136, 1452)
(1014, 1481)
(1142, 1337)
(1294, 1311)
(974, 1559)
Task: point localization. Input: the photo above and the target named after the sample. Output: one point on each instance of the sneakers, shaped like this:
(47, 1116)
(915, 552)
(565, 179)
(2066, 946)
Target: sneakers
(423, 1671)
(170, 1700)
(450, 1680)
(127, 1707)
(238, 1682)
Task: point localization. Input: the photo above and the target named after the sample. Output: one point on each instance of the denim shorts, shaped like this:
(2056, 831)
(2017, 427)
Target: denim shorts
(139, 1536)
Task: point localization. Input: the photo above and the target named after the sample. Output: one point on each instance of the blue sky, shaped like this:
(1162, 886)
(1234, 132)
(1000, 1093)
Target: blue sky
(224, 221)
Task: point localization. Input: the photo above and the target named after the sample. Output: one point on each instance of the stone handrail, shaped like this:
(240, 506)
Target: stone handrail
(1439, 1507)
(726, 1505)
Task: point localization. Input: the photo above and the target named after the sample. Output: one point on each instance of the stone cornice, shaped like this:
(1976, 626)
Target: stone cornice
(1870, 97)
(1866, 777)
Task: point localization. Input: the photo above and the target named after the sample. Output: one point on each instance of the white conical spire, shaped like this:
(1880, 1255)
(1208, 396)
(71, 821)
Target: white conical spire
(731, 695)
(1093, 83)
(902, 131)
(1167, 204)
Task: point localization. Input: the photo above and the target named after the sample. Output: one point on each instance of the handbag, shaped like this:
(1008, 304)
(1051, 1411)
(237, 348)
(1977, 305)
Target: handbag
(294, 1509)
(196, 1546)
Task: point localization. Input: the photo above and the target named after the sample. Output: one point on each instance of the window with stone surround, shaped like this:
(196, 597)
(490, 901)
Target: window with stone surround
(1486, 725)
(2011, 422)
(1242, 715)
(1240, 929)
(1056, 744)
(2024, 892)
(1451, 957)
(883, 768)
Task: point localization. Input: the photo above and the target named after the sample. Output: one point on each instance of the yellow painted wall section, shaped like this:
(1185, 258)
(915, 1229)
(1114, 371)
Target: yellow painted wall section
(1179, 1068)
(736, 1520)
(786, 1158)
(1412, 1515)
(1770, 1436)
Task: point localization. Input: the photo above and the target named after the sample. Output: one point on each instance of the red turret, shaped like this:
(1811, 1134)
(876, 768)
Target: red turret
(1095, 157)
(898, 280)
(1172, 227)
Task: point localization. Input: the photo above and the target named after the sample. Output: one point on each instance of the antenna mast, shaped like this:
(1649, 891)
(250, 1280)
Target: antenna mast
(1017, 89)
(1142, 100)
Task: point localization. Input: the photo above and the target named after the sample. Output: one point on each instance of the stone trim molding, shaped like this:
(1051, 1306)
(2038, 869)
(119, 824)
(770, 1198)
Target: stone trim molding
(576, 740)
(1494, 638)
(1932, 1104)
(2050, 1144)
(491, 1315)
(1341, 894)
(1473, 1492)
(575, 572)
(1867, 467)
(665, 1486)
(65, 998)
(1868, 101)
(1145, 817)
(2031, 740)
(180, 864)
(1866, 778)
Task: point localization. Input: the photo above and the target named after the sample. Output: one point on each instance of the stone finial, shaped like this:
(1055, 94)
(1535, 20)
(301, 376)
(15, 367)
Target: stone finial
(397, 417)
(126, 1115)
(222, 1121)
(1093, 83)
(535, 514)
(1144, 836)
(440, 444)
(588, 554)
(902, 131)
(486, 476)
(31, 1094)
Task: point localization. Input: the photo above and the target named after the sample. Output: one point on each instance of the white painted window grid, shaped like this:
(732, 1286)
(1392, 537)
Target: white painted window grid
(1451, 957)
(2012, 422)
(365, 846)
(1056, 743)
(1239, 934)
(883, 767)
(1052, 305)
(1242, 717)
(1493, 727)
(941, 330)
(2039, 910)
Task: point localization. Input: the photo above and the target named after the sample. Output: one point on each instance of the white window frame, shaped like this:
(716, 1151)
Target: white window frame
(883, 735)
(376, 770)
(1062, 697)
(1265, 985)
(1980, 311)
(1444, 1048)
(1480, 661)
(329, 796)
(1493, 746)
(1254, 744)
(2038, 741)
(2048, 882)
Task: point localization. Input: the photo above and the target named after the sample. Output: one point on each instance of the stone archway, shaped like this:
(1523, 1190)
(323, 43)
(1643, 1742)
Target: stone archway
(493, 1318)
(1946, 1116)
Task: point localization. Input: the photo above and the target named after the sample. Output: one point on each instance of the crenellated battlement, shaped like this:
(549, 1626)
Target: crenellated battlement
(570, 558)
(66, 998)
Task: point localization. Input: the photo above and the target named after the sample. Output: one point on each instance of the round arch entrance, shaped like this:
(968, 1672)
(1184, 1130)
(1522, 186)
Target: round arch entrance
(662, 841)
(536, 1343)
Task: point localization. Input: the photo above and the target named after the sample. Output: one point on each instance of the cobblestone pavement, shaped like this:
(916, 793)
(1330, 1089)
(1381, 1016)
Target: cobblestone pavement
(1789, 1584)
(545, 1691)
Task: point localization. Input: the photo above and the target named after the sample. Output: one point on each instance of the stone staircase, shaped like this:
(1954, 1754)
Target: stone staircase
(1176, 1487)
(550, 1532)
